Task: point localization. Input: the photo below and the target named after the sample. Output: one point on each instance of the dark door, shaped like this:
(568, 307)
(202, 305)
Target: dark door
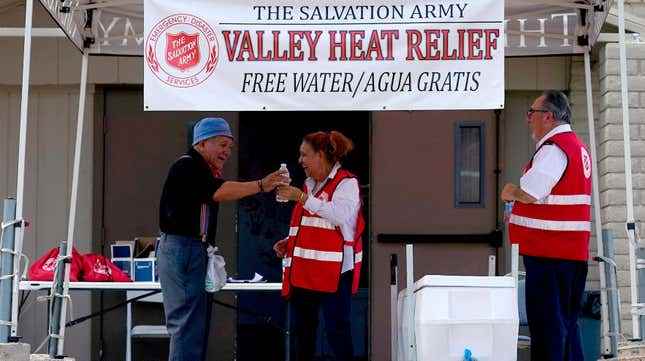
(266, 140)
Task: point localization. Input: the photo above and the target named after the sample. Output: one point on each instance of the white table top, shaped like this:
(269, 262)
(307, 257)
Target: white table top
(129, 286)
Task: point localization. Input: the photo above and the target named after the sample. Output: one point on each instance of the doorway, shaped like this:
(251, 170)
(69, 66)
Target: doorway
(265, 141)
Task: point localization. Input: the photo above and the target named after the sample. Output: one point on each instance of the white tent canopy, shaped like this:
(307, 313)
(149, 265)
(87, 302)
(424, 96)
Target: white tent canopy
(115, 27)
(552, 27)
(533, 27)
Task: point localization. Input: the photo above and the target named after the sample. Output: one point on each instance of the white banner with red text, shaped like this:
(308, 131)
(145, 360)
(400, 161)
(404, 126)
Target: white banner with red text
(243, 55)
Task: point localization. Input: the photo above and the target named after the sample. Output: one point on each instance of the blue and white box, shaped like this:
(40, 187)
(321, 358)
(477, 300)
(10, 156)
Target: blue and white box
(144, 269)
(121, 250)
(124, 264)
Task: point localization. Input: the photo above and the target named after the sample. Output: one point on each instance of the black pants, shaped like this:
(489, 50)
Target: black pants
(336, 309)
(554, 291)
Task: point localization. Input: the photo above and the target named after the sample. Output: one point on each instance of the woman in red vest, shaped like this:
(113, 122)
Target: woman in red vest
(322, 254)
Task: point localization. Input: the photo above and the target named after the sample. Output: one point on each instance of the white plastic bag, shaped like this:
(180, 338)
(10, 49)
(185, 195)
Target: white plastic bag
(215, 271)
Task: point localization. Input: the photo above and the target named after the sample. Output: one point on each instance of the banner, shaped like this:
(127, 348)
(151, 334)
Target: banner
(242, 55)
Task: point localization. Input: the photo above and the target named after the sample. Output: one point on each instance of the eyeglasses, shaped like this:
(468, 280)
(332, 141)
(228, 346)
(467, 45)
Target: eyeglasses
(531, 111)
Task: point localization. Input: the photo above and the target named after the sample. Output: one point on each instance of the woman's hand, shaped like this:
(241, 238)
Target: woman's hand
(291, 193)
(507, 192)
(280, 248)
(273, 180)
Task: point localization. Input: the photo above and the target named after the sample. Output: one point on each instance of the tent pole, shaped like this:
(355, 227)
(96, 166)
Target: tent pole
(411, 353)
(596, 207)
(22, 150)
(394, 296)
(73, 204)
(629, 197)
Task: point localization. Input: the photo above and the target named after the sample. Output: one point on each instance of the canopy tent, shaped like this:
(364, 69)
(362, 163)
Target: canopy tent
(533, 27)
(115, 27)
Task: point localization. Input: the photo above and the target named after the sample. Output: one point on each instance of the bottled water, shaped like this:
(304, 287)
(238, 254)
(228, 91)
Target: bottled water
(283, 169)
(508, 209)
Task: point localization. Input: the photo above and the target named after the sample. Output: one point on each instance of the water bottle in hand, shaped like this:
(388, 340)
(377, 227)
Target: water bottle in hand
(508, 209)
(284, 170)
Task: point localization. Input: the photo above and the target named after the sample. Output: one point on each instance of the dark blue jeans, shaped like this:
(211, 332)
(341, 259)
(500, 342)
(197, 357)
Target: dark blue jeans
(554, 290)
(182, 272)
(336, 309)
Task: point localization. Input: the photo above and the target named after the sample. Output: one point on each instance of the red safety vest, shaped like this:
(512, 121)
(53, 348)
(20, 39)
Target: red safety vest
(559, 225)
(315, 247)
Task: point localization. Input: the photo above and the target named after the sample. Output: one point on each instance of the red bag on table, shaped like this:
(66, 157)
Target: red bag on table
(97, 268)
(43, 269)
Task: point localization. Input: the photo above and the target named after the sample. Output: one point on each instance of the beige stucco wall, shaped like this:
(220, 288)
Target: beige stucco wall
(610, 155)
(55, 61)
(48, 176)
(53, 107)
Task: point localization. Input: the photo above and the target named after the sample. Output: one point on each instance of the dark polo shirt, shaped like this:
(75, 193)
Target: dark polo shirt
(188, 186)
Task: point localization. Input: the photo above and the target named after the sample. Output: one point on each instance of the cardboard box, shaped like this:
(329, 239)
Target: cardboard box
(144, 245)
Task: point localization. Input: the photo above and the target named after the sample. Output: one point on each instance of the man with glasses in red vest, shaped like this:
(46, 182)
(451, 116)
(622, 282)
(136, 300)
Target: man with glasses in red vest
(551, 222)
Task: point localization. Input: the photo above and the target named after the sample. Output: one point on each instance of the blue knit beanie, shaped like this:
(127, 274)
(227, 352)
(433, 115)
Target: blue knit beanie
(209, 128)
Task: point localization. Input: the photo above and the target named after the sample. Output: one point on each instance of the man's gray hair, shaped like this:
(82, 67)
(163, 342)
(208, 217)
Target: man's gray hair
(558, 103)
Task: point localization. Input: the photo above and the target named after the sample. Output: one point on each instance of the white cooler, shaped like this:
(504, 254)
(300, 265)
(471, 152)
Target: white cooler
(455, 313)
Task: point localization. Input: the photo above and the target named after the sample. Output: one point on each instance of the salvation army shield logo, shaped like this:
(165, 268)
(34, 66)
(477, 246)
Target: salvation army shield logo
(586, 162)
(101, 268)
(182, 50)
(49, 265)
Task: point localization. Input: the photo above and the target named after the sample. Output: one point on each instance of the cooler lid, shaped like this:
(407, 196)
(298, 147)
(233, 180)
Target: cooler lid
(464, 281)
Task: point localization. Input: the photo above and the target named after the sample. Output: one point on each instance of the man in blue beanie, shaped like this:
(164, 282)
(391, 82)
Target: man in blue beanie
(188, 219)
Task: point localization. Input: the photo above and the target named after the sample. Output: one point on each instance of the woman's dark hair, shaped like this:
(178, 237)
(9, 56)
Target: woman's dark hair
(333, 144)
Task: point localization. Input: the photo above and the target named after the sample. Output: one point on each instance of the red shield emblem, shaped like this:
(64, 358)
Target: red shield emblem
(182, 50)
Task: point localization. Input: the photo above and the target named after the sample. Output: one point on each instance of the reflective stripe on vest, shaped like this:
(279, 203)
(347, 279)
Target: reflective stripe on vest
(358, 257)
(318, 255)
(316, 222)
(550, 225)
(293, 231)
(286, 262)
(566, 200)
